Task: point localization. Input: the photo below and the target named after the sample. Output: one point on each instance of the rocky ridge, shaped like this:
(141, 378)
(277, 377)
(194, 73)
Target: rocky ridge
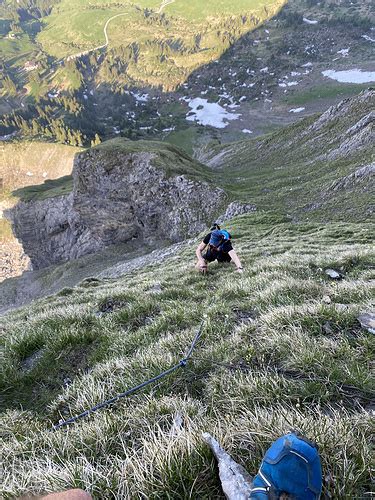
(119, 195)
(311, 168)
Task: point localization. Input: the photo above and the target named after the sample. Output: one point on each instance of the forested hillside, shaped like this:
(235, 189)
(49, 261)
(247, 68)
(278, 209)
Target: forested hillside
(78, 72)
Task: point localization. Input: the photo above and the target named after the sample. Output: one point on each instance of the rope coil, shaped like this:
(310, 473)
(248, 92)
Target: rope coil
(182, 363)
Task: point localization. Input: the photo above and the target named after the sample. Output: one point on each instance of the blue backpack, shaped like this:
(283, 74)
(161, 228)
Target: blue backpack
(218, 237)
(291, 465)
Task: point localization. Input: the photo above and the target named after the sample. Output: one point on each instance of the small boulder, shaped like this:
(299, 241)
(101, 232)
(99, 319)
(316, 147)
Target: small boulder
(156, 288)
(327, 328)
(335, 275)
(367, 321)
(342, 307)
(109, 305)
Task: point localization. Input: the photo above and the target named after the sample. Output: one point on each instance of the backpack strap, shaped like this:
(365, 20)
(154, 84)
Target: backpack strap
(226, 235)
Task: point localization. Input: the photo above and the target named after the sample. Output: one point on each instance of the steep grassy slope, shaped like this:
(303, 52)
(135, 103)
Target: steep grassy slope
(281, 348)
(320, 168)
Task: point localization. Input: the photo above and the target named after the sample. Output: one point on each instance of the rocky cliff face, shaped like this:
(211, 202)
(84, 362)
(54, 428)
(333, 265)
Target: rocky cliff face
(120, 193)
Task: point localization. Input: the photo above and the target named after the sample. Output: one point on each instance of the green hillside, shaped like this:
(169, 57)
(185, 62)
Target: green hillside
(169, 42)
(309, 170)
(61, 81)
(281, 348)
(75, 25)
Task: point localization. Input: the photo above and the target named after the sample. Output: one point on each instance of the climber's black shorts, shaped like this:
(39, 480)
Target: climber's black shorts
(211, 256)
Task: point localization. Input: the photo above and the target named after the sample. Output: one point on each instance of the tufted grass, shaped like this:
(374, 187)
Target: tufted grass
(274, 355)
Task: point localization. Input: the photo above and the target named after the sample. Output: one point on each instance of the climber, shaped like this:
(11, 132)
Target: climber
(219, 247)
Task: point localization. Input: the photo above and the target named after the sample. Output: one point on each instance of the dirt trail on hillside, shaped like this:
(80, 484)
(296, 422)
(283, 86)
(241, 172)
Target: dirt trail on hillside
(86, 52)
(164, 4)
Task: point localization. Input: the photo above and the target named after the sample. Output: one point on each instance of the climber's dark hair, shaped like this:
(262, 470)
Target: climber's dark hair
(215, 226)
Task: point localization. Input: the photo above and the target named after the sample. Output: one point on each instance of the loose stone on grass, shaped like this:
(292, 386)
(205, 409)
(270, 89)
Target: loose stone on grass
(244, 316)
(90, 282)
(156, 288)
(367, 321)
(327, 328)
(334, 274)
(235, 480)
(109, 306)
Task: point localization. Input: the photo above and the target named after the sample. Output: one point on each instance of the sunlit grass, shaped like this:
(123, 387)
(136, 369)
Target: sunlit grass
(275, 354)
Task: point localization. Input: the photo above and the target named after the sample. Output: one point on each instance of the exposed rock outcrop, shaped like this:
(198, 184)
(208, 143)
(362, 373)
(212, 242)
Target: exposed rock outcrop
(357, 137)
(121, 191)
(13, 260)
(236, 208)
(365, 175)
(342, 109)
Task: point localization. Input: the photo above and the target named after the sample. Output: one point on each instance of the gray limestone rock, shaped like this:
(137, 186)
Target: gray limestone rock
(333, 274)
(236, 208)
(235, 480)
(118, 196)
(364, 175)
(367, 321)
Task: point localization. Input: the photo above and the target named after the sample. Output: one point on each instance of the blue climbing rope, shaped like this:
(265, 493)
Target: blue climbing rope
(182, 363)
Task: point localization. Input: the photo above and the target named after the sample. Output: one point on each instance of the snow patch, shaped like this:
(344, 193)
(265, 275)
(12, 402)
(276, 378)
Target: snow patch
(209, 113)
(309, 21)
(7, 136)
(350, 76)
(140, 97)
(368, 38)
(344, 52)
(246, 131)
(296, 110)
(288, 84)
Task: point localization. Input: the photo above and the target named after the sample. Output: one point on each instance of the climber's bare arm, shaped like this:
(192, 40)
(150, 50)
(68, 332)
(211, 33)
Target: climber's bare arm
(236, 260)
(67, 495)
(201, 262)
